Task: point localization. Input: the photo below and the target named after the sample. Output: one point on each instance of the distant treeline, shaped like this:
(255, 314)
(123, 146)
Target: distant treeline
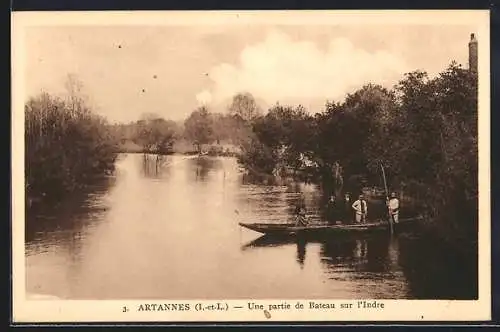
(202, 131)
(154, 134)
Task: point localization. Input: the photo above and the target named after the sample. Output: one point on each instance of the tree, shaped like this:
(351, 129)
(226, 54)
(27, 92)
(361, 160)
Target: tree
(67, 145)
(258, 158)
(432, 145)
(244, 106)
(155, 134)
(279, 140)
(198, 127)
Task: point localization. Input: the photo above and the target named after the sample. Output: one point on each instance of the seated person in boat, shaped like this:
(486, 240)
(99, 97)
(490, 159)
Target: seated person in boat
(360, 209)
(300, 218)
(300, 211)
(393, 205)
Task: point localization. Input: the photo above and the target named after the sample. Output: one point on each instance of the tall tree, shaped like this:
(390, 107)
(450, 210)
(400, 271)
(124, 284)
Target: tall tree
(244, 106)
(198, 127)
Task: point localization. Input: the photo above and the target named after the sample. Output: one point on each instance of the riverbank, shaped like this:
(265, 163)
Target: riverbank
(184, 147)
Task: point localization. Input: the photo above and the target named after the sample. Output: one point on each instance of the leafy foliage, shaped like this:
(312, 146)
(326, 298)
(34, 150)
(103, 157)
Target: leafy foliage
(155, 135)
(199, 127)
(66, 146)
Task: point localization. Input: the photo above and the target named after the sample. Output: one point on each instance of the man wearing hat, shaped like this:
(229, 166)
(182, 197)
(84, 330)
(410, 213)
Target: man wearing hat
(393, 205)
(360, 209)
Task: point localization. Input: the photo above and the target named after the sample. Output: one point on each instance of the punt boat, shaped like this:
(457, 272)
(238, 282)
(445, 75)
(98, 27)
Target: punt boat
(291, 229)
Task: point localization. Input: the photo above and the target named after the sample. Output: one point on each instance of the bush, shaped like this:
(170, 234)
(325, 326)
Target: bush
(66, 146)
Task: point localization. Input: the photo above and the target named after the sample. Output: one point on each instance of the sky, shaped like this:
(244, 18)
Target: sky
(171, 70)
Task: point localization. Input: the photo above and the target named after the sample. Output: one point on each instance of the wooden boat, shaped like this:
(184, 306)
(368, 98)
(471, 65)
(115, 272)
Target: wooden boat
(291, 229)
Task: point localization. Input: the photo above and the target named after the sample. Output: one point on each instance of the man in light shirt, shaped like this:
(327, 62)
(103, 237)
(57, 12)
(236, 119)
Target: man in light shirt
(393, 205)
(361, 209)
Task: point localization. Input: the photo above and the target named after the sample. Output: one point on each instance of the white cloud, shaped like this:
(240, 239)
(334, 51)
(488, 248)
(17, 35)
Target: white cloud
(284, 70)
(204, 98)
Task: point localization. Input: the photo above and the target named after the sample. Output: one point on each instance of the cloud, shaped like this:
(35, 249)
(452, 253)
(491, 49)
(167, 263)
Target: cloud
(204, 98)
(285, 70)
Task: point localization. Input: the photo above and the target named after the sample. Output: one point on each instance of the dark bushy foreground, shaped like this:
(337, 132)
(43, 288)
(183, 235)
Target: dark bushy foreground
(66, 147)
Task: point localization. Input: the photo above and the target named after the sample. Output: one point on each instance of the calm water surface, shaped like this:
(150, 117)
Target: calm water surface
(170, 231)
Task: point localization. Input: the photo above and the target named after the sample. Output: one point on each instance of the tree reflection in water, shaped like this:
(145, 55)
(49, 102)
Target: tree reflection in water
(154, 166)
(66, 218)
(68, 223)
(202, 166)
(436, 270)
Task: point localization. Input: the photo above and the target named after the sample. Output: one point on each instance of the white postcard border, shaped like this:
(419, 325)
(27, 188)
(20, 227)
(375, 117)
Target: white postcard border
(35, 311)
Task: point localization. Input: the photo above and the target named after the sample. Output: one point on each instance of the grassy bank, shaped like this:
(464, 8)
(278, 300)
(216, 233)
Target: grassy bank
(184, 147)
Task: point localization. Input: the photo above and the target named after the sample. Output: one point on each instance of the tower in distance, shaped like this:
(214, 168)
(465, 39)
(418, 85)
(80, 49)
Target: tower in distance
(473, 53)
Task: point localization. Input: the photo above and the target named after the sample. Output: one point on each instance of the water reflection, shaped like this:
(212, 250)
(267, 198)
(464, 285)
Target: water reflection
(362, 255)
(453, 272)
(56, 235)
(202, 166)
(65, 220)
(154, 166)
(359, 253)
(301, 252)
(270, 241)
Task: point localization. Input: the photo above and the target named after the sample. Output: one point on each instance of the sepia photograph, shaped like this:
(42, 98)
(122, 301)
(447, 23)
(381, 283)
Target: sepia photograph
(243, 157)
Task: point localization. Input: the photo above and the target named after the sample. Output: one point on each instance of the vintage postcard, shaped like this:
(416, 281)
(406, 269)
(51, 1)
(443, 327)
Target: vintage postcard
(228, 166)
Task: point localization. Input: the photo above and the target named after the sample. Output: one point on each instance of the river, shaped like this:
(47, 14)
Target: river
(169, 230)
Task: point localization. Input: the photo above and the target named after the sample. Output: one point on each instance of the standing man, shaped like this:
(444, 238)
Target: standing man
(360, 209)
(347, 209)
(393, 205)
(331, 210)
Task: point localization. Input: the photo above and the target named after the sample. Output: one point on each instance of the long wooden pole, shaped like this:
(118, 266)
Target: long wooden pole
(386, 196)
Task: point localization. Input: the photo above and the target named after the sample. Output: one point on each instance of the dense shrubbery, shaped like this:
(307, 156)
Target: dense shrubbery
(66, 146)
(424, 131)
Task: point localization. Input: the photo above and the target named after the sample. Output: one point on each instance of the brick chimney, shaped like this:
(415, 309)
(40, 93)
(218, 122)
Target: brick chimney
(473, 53)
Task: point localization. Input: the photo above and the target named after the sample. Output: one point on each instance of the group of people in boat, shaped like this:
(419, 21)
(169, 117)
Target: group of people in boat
(345, 211)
